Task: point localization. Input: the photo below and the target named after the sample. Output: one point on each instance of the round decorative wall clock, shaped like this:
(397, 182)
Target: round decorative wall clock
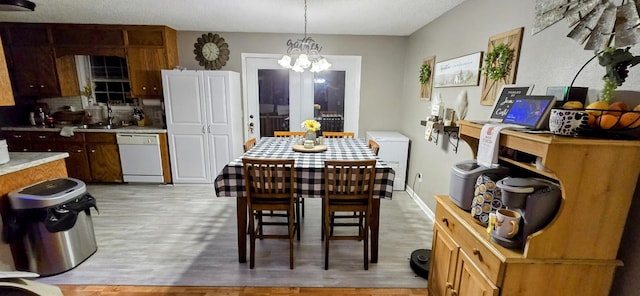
(211, 51)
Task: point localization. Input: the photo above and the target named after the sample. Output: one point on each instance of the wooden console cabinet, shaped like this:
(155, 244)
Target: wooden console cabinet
(574, 255)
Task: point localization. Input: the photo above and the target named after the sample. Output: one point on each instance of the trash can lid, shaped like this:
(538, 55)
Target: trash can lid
(47, 193)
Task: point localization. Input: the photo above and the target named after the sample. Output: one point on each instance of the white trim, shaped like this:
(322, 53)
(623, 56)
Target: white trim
(427, 211)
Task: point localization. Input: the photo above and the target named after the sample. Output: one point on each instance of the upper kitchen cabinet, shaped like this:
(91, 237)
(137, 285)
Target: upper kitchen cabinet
(150, 49)
(34, 69)
(90, 40)
(6, 91)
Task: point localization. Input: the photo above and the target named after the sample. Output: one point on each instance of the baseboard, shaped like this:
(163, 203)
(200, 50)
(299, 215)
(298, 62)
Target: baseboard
(427, 211)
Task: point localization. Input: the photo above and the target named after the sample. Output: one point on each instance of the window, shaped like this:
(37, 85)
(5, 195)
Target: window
(111, 79)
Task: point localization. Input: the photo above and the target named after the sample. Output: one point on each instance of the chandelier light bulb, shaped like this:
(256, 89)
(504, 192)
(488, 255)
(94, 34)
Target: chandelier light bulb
(305, 51)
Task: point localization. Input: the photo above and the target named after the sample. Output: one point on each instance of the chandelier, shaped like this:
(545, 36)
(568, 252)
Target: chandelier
(305, 51)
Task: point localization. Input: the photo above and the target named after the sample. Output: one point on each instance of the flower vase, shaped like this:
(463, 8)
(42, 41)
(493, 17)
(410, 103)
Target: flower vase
(311, 136)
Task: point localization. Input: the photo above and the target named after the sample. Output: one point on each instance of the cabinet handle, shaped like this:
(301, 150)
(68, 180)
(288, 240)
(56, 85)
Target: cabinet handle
(17, 136)
(93, 151)
(454, 293)
(476, 251)
(445, 221)
(41, 85)
(144, 88)
(31, 86)
(49, 150)
(79, 151)
(25, 149)
(42, 137)
(449, 285)
(204, 129)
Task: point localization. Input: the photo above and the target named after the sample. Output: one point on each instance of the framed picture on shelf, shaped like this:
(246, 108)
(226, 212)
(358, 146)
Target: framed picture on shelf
(462, 71)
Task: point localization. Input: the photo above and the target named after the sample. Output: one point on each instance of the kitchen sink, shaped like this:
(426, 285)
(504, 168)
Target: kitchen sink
(97, 126)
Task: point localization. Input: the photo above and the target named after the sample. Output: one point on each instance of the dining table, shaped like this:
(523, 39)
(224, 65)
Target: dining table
(309, 177)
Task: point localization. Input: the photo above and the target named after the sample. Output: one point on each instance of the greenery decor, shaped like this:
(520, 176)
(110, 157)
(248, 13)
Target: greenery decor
(497, 62)
(615, 62)
(425, 73)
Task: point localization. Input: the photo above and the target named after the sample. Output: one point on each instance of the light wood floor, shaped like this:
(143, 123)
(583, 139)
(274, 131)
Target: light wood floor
(164, 237)
(231, 291)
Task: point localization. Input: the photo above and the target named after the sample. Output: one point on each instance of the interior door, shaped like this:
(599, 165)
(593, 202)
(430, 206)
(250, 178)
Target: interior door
(280, 99)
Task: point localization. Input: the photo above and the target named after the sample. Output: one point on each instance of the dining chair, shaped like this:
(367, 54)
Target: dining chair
(348, 186)
(249, 144)
(338, 134)
(288, 134)
(373, 145)
(270, 186)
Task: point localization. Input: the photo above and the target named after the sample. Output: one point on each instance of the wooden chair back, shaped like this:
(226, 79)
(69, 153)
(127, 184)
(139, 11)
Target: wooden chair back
(373, 145)
(288, 134)
(249, 144)
(338, 134)
(348, 188)
(269, 186)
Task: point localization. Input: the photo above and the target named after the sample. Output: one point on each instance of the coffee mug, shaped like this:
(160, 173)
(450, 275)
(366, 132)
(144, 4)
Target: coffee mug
(507, 223)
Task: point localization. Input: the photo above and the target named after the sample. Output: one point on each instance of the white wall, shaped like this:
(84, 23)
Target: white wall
(548, 58)
(382, 66)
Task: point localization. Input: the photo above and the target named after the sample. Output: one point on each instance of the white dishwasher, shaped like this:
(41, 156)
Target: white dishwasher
(140, 157)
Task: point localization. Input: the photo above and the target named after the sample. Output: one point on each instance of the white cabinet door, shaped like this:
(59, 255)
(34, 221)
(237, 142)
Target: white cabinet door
(204, 122)
(224, 126)
(184, 94)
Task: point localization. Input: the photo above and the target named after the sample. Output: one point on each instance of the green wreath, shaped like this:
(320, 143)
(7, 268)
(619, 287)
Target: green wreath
(425, 73)
(498, 62)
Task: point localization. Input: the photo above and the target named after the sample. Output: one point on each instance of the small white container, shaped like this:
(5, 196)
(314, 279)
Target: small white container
(4, 151)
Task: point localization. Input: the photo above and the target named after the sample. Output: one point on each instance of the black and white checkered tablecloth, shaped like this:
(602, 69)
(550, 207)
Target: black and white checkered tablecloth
(309, 167)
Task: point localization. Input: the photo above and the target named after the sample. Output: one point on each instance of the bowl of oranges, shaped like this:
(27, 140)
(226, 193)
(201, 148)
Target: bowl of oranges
(599, 119)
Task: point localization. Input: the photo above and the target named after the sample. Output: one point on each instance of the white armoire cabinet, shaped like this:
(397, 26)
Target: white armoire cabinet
(204, 122)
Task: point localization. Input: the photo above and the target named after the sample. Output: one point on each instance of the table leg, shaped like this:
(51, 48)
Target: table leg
(241, 209)
(375, 228)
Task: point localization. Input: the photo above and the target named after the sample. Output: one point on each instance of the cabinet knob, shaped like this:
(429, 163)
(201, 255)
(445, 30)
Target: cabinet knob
(41, 85)
(144, 88)
(449, 285)
(31, 86)
(78, 150)
(93, 151)
(445, 221)
(25, 149)
(49, 150)
(476, 251)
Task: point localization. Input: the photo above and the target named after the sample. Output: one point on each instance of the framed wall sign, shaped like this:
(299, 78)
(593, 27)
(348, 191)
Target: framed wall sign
(505, 99)
(462, 71)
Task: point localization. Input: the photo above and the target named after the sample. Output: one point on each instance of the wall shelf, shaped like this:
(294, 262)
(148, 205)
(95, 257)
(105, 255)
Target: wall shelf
(450, 132)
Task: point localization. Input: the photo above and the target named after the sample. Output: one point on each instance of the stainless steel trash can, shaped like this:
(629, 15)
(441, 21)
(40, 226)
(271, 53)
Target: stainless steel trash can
(55, 229)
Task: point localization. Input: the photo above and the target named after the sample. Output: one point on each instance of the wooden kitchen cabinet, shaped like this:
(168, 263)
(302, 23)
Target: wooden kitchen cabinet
(34, 69)
(150, 49)
(104, 157)
(575, 254)
(6, 90)
(18, 141)
(78, 161)
(454, 273)
(43, 141)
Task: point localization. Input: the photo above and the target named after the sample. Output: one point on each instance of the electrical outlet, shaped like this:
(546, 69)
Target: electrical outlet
(420, 177)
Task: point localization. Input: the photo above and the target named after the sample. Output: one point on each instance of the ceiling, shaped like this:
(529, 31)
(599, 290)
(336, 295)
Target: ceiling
(343, 17)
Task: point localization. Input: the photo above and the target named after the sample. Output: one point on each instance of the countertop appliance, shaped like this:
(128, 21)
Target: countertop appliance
(140, 157)
(394, 151)
(463, 180)
(537, 200)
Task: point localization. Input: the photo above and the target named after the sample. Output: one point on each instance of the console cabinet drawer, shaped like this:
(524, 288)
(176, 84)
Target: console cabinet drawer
(486, 260)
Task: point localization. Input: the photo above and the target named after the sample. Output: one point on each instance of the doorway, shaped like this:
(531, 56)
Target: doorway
(280, 99)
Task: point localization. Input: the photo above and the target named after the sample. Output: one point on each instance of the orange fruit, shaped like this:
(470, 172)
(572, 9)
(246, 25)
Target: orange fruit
(593, 121)
(607, 121)
(622, 106)
(629, 120)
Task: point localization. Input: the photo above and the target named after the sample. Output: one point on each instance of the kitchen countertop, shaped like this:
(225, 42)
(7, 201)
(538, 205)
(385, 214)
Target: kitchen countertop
(126, 129)
(23, 160)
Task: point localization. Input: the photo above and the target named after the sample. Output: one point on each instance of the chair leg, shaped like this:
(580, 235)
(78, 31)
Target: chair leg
(297, 219)
(292, 229)
(326, 242)
(252, 241)
(365, 229)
